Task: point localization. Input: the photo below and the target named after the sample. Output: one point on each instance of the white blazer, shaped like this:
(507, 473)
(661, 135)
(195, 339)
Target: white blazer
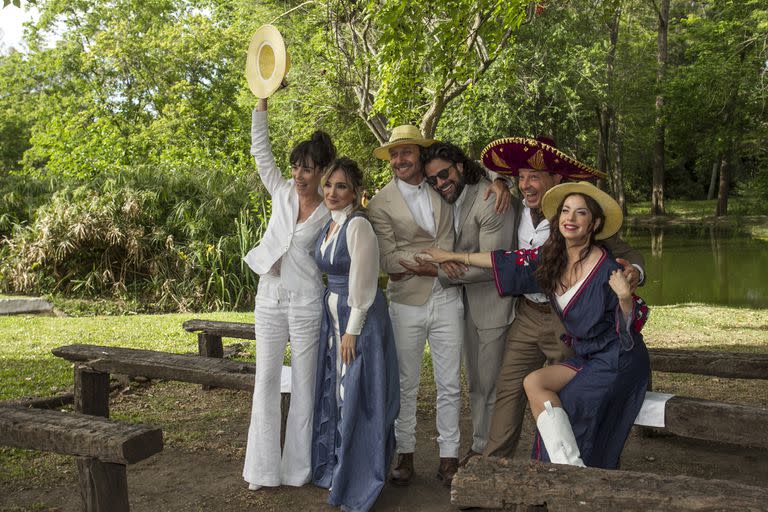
(299, 271)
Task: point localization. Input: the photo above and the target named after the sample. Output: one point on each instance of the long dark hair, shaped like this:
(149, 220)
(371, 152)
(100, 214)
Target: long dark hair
(473, 171)
(554, 256)
(319, 149)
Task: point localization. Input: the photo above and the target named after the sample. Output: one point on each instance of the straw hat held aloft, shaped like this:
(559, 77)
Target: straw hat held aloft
(267, 61)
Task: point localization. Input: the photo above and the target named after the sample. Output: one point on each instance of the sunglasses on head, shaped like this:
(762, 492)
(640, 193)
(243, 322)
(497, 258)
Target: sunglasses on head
(442, 174)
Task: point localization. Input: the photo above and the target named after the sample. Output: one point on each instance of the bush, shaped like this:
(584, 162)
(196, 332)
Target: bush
(174, 241)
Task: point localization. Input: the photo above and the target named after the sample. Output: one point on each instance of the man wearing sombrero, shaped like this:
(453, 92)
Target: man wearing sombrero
(535, 334)
(408, 216)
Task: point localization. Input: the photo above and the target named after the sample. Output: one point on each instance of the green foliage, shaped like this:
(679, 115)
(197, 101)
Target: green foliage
(175, 241)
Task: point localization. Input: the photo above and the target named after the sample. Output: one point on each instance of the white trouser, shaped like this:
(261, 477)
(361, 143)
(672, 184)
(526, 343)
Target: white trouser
(280, 315)
(441, 320)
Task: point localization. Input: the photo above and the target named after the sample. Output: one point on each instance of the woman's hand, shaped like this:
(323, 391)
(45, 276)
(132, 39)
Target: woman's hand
(436, 255)
(621, 286)
(348, 342)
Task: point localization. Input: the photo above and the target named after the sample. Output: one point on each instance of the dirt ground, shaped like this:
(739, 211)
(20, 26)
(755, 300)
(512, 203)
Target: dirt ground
(200, 467)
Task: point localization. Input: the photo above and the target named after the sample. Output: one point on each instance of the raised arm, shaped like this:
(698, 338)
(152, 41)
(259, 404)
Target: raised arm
(261, 149)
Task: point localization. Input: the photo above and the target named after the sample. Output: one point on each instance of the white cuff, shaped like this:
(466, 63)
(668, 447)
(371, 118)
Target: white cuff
(356, 321)
(642, 274)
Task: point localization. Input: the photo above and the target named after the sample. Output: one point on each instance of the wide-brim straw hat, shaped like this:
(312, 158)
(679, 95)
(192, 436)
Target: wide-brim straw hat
(403, 134)
(611, 209)
(507, 156)
(267, 61)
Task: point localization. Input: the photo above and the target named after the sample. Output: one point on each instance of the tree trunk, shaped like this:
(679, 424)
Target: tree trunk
(722, 193)
(713, 179)
(618, 172)
(657, 193)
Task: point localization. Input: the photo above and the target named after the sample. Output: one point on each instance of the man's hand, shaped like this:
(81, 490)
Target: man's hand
(400, 276)
(453, 270)
(419, 267)
(348, 342)
(503, 195)
(630, 272)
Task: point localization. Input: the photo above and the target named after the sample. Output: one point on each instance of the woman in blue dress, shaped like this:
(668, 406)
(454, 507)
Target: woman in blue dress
(584, 406)
(357, 386)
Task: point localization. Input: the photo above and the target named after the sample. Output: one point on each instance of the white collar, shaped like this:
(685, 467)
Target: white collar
(340, 216)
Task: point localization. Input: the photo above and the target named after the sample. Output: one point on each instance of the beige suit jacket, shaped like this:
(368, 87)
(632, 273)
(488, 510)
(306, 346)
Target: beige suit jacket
(481, 229)
(400, 238)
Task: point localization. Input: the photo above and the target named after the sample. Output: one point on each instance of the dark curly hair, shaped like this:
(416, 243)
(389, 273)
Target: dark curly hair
(319, 149)
(473, 171)
(554, 255)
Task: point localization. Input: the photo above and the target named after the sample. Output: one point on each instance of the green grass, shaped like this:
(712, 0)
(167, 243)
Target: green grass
(737, 206)
(27, 367)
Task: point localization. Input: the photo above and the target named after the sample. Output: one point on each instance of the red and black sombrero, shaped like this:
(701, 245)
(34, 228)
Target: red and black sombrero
(507, 156)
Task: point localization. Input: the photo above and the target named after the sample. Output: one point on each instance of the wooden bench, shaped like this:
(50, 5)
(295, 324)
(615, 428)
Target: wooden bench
(739, 365)
(94, 364)
(209, 334)
(688, 417)
(505, 484)
(103, 448)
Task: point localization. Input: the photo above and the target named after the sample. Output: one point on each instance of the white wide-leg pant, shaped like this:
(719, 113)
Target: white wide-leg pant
(281, 315)
(441, 321)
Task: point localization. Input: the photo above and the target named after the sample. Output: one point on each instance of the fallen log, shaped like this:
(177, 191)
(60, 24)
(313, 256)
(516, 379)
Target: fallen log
(504, 484)
(736, 365)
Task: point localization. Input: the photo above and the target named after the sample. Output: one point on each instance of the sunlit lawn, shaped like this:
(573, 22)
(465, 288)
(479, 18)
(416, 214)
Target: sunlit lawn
(27, 367)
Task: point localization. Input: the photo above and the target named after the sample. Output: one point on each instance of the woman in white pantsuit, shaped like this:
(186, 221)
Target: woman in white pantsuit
(288, 306)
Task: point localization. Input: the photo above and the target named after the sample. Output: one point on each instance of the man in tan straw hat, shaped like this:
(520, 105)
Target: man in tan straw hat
(408, 216)
(535, 334)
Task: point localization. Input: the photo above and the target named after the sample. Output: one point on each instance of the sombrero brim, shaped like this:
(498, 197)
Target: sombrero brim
(613, 214)
(266, 62)
(382, 153)
(507, 156)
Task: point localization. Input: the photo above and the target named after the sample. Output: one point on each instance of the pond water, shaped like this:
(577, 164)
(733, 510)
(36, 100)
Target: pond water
(706, 264)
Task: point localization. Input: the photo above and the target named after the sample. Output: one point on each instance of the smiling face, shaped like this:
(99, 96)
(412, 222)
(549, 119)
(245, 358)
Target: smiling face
(338, 192)
(306, 177)
(446, 178)
(534, 184)
(406, 163)
(576, 220)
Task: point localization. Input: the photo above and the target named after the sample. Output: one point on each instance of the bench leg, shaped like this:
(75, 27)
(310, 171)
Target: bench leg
(103, 485)
(209, 345)
(91, 392)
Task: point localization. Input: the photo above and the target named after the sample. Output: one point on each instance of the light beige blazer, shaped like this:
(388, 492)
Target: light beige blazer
(400, 238)
(481, 229)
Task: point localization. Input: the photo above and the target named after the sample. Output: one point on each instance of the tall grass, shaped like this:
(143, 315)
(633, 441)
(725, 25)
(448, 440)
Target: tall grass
(173, 241)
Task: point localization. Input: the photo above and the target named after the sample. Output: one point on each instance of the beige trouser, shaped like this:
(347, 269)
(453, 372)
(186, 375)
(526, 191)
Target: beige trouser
(533, 338)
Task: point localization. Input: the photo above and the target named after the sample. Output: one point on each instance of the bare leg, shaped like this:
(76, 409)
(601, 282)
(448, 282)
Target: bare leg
(544, 384)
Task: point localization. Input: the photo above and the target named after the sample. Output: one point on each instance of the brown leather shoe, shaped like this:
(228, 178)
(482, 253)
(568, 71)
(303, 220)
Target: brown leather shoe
(469, 455)
(402, 473)
(448, 468)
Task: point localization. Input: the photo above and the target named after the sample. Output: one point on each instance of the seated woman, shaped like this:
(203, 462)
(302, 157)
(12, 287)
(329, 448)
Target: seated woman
(358, 387)
(585, 406)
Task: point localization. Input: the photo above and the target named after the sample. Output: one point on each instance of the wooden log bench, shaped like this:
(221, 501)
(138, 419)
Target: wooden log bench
(94, 364)
(505, 484)
(209, 334)
(104, 448)
(688, 417)
(738, 365)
